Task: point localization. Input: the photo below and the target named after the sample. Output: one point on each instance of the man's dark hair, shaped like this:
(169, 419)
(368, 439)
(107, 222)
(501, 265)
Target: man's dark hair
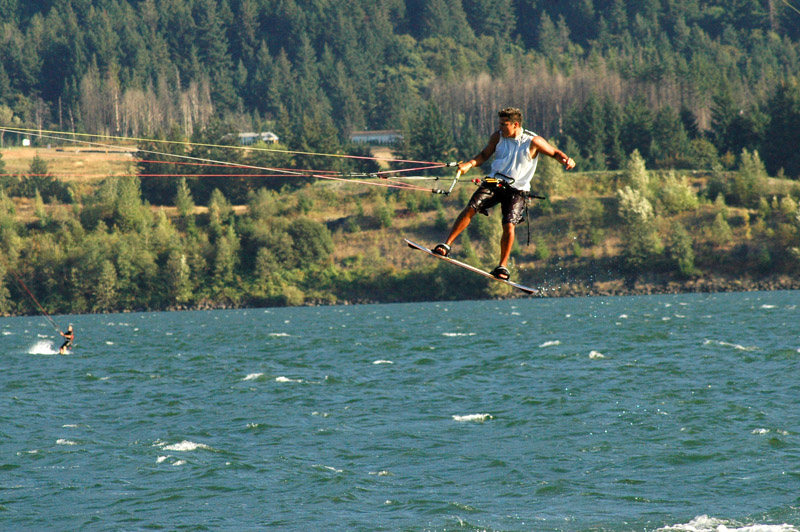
(512, 114)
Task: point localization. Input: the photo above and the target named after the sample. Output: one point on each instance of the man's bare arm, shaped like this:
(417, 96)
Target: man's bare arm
(483, 156)
(540, 145)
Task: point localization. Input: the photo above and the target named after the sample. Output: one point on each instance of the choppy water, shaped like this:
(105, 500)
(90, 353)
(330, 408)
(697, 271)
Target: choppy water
(674, 413)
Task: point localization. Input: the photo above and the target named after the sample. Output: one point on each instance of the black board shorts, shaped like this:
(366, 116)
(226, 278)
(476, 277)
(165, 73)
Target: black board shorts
(511, 200)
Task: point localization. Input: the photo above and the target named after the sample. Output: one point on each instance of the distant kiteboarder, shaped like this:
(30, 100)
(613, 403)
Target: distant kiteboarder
(68, 337)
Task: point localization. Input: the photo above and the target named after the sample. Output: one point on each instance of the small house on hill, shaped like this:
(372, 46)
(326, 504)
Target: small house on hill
(381, 136)
(250, 138)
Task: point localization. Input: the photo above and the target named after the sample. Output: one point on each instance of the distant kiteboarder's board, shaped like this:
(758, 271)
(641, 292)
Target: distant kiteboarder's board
(525, 289)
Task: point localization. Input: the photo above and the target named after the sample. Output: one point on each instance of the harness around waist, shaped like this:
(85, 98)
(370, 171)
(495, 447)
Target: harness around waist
(494, 182)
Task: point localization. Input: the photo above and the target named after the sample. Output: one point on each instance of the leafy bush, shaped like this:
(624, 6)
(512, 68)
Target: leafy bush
(675, 195)
(681, 250)
(312, 241)
(641, 238)
(749, 182)
(635, 173)
(721, 233)
(384, 214)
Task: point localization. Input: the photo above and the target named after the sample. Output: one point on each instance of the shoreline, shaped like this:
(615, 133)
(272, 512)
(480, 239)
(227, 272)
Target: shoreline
(611, 288)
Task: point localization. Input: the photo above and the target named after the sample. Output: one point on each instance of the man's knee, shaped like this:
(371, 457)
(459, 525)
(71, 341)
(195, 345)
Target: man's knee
(468, 213)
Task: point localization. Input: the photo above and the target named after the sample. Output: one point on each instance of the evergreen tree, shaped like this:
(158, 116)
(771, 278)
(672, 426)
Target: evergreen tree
(212, 45)
(287, 21)
(618, 17)
(429, 138)
(445, 18)
(783, 130)
(258, 82)
(5, 86)
(547, 37)
(587, 126)
(225, 257)
(689, 121)
(612, 145)
(244, 39)
(723, 113)
(157, 159)
(637, 128)
(491, 17)
(220, 214)
(671, 143)
(583, 17)
(9, 10)
(185, 205)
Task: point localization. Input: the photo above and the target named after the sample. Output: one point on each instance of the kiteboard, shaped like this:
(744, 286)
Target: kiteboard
(473, 269)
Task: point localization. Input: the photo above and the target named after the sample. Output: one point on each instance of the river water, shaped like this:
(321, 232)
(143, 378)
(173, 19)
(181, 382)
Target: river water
(652, 413)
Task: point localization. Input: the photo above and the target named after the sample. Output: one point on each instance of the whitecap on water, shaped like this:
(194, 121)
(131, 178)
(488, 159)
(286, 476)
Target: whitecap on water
(184, 446)
(728, 344)
(253, 376)
(472, 417)
(550, 343)
(459, 334)
(286, 379)
(383, 362)
(704, 523)
(595, 355)
(279, 334)
(328, 468)
(63, 441)
(43, 348)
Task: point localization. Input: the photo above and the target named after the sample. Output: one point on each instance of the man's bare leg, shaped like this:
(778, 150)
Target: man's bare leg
(461, 223)
(506, 243)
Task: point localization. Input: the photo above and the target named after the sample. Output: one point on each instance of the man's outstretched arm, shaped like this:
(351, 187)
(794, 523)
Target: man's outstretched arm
(540, 145)
(483, 156)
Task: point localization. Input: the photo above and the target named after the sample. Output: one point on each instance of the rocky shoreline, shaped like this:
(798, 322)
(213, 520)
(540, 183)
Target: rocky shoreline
(710, 284)
(609, 288)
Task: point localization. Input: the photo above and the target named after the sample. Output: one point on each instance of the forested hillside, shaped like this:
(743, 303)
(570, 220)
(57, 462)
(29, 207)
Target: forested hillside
(683, 116)
(685, 82)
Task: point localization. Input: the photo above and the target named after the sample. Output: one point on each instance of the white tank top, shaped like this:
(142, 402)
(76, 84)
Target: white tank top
(512, 158)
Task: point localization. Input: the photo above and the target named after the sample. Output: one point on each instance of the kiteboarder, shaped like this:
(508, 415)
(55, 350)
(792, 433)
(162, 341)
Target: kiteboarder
(516, 153)
(68, 337)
